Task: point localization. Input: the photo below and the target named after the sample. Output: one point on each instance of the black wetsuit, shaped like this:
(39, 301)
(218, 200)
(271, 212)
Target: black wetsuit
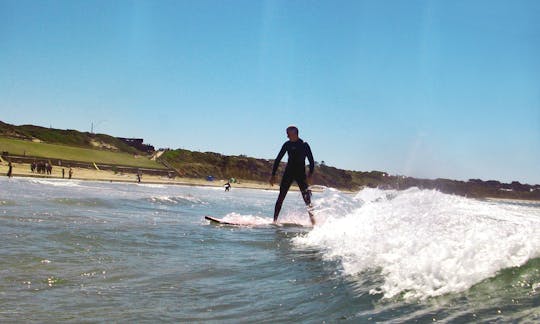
(294, 171)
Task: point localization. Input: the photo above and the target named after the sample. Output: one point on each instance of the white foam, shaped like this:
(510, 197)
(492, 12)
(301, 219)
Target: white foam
(247, 220)
(374, 195)
(423, 242)
(257, 220)
(327, 203)
(56, 183)
(163, 199)
(176, 199)
(151, 185)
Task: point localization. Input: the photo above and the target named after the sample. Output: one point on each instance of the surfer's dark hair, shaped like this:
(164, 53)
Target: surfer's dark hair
(293, 128)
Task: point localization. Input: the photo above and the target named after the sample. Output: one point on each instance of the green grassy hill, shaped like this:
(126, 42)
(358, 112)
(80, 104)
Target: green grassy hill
(71, 145)
(66, 137)
(73, 153)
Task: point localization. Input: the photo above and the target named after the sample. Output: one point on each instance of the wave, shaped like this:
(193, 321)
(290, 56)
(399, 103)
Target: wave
(151, 185)
(179, 199)
(56, 183)
(84, 202)
(422, 242)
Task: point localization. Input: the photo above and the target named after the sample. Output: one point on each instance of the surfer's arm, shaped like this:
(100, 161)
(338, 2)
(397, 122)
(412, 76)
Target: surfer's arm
(310, 159)
(278, 159)
(276, 164)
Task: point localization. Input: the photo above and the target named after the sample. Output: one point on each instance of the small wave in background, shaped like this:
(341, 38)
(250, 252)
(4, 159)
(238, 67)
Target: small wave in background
(56, 182)
(83, 202)
(180, 199)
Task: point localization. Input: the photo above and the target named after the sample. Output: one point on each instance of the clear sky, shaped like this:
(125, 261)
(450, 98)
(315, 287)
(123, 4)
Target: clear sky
(431, 89)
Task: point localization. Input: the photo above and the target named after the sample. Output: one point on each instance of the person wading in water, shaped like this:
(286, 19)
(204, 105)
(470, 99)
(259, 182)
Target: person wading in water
(298, 151)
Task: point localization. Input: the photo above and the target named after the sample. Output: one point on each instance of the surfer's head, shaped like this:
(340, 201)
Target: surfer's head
(292, 133)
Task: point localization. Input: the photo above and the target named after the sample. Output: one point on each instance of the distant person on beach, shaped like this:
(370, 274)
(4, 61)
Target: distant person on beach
(139, 176)
(70, 172)
(63, 173)
(40, 167)
(10, 169)
(298, 151)
(227, 186)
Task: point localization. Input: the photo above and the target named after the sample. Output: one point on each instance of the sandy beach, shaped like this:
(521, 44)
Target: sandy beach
(23, 170)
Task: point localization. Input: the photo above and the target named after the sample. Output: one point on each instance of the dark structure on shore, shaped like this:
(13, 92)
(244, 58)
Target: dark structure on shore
(138, 144)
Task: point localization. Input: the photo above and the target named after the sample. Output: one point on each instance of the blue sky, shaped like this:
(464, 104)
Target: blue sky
(430, 89)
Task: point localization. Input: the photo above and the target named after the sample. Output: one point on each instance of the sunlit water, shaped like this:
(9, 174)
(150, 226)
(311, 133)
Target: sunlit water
(94, 251)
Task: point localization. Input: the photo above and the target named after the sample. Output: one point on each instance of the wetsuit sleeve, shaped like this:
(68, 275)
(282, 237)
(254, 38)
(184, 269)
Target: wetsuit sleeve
(278, 159)
(310, 159)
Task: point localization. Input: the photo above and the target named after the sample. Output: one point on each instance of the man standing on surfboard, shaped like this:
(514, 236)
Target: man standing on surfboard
(298, 151)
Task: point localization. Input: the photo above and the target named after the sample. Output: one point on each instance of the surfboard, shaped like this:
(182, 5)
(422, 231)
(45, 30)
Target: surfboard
(219, 221)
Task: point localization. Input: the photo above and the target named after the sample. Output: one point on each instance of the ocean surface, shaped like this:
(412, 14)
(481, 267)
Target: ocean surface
(80, 251)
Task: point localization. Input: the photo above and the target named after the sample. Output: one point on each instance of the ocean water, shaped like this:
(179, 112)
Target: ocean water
(75, 251)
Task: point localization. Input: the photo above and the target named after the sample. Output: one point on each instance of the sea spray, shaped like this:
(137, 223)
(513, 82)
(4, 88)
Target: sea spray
(247, 220)
(424, 243)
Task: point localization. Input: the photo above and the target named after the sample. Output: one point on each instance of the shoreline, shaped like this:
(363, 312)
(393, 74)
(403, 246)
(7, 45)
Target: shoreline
(512, 200)
(23, 170)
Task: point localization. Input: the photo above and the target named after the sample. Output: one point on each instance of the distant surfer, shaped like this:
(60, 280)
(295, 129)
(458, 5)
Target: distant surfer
(298, 151)
(10, 169)
(227, 186)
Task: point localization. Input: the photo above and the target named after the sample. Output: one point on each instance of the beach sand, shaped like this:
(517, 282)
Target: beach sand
(23, 170)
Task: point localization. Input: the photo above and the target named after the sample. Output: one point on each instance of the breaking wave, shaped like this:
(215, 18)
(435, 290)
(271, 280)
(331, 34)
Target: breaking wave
(422, 242)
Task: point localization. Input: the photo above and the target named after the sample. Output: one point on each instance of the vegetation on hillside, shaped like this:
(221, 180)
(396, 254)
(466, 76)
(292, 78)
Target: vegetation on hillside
(198, 164)
(66, 137)
(16, 147)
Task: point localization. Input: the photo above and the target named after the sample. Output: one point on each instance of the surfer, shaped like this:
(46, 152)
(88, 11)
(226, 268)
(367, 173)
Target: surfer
(298, 151)
(10, 169)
